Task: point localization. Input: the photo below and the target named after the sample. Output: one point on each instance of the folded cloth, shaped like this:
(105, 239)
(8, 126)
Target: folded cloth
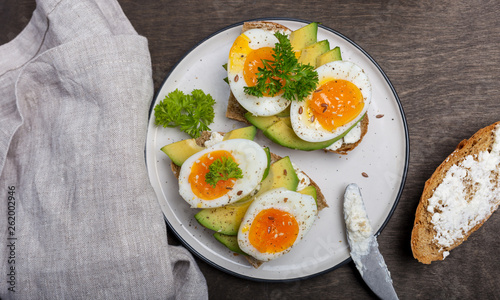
(79, 218)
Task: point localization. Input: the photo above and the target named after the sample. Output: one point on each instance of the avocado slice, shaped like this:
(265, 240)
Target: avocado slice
(284, 113)
(304, 36)
(230, 241)
(311, 191)
(287, 121)
(266, 171)
(279, 130)
(310, 53)
(261, 122)
(265, 122)
(281, 174)
(227, 219)
(331, 55)
(181, 150)
(241, 133)
(282, 133)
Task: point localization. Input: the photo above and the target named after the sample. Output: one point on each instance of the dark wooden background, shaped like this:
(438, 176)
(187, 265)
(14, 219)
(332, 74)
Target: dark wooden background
(443, 58)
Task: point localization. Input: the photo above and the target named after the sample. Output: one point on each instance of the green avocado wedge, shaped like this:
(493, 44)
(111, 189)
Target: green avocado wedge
(279, 130)
(179, 151)
(311, 191)
(310, 53)
(230, 241)
(266, 171)
(247, 133)
(329, 56)
(281, 174)
(281, 133)
(304, 36)
(262, 122)
(225, 220)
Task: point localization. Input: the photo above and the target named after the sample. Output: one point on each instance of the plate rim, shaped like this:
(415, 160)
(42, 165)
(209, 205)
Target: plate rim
(406, 139)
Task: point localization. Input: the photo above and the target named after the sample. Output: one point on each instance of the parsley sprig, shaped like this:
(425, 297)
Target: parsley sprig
(191, 113)
(222, 169)
(284, 73)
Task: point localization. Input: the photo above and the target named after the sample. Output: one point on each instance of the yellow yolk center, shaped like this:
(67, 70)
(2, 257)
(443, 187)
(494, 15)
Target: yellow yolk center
(253, 62)
(197, 177)
(273, 231)
(336, 103)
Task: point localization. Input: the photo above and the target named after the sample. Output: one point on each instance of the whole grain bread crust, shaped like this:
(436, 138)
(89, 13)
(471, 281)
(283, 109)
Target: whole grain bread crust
(321, 200)
(237, 112)
(266, 25)
(423, 246)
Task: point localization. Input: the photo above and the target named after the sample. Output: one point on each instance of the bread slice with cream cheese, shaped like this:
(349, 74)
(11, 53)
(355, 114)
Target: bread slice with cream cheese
(459, 197)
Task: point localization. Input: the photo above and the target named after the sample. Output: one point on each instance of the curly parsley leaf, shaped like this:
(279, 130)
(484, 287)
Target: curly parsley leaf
(284, 73)
(222, 169)
(191, 113)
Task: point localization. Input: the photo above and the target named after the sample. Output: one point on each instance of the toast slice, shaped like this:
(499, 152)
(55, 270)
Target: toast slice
(465, 187)
(237, 112)
(321, 200)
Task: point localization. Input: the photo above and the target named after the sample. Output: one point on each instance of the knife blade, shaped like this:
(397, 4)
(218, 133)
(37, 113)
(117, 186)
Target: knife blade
(364, 246)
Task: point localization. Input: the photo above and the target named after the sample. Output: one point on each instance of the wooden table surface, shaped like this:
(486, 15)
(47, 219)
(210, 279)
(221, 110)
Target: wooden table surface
(443, 59)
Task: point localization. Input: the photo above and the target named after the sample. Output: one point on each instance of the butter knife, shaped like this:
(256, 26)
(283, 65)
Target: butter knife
(364, 247)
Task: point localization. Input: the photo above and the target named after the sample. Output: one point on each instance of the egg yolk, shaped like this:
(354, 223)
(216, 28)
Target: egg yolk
(336, 103)
(238, 53)
(200, 168)
(273, 231)
(254, 61)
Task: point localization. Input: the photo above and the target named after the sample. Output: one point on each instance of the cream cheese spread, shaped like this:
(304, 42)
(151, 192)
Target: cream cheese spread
(304, 181)
(357, 223)
(351, 137)
(215, 138)
(469, 193)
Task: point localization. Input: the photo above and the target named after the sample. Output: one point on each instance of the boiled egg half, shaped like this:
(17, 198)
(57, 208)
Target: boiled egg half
(193, 187)
(275, 222)
(245, 57)
(341, 99)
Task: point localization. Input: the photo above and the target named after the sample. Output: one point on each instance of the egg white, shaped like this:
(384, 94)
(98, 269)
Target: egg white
(302, 207)
(259, 106)
(252, 160)
(313, 131)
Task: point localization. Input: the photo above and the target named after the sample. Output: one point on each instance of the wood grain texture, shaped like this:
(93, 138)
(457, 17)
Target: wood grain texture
(442, 58)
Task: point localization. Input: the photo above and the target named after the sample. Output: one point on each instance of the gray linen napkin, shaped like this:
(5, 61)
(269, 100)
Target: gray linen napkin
(78, 217)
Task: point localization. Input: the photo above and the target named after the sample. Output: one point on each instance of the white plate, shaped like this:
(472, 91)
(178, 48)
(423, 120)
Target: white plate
(382, 155)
